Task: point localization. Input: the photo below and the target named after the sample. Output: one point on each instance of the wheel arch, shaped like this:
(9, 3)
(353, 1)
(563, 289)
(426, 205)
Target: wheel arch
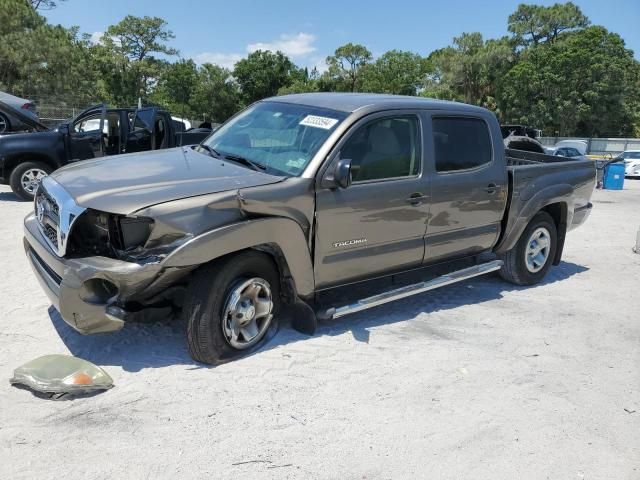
(280, 238)
(12, 161)
(556, 200)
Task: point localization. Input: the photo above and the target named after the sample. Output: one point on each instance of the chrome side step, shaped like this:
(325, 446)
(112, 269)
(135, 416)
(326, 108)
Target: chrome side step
(410, 290)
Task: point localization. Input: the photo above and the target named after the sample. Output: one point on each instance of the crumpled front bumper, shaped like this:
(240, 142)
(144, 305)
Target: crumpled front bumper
(76, 286)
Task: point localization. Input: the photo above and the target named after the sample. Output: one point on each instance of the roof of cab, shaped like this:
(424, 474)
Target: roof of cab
(350, 102)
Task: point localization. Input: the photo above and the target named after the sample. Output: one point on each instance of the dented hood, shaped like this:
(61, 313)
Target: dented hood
(125, 183)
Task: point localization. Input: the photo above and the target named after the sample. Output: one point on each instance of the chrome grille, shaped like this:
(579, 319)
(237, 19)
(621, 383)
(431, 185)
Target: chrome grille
(51, 234)
(55, 211)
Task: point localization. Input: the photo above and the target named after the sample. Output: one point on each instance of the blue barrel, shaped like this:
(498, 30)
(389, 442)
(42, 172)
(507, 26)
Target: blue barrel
(614, 176)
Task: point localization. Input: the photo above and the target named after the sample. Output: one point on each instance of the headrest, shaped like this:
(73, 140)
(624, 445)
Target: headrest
(383, 140)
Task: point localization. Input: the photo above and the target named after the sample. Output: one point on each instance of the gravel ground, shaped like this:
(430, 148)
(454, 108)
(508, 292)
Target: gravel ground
(480, 380)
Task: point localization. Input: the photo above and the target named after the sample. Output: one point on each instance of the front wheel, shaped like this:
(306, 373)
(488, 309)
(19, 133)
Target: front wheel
(528, 262)
(26, 177)
(5, 125)
(231, 307)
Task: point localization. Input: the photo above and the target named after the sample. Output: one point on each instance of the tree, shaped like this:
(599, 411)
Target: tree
(175, 87)
(395, 72)
(534, 24)
(126, 58)
(43, 4)
(216, 96)
(586, 84)
(263, 73)
(42, 61)
(469, 70)
(346, 64)
(138, 37)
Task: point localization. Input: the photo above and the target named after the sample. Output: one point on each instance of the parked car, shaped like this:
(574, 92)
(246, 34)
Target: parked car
(570, 152)
(13, 120)
(25, 106)
(294, 198)
(631, 160)
(580, 145)
(98, 131)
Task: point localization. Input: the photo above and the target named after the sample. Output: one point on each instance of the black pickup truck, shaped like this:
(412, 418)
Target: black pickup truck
(97, 131)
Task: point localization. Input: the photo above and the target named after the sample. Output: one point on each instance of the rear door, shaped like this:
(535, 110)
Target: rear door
(376, 225)
(141, 135)
(87, 134)
(469, 186)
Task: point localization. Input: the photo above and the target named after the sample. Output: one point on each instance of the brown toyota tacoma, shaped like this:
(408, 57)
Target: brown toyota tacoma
(290, 201)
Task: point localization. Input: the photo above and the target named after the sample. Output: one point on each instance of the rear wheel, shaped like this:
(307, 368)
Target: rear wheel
(528, 262)
(231, 307)
(26, 177)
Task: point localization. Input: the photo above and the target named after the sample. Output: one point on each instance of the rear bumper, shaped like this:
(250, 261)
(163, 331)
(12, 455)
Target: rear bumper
(89, 292)
(580, 215)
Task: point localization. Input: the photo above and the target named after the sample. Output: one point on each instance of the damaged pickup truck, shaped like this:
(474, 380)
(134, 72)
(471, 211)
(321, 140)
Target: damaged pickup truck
(292, 200)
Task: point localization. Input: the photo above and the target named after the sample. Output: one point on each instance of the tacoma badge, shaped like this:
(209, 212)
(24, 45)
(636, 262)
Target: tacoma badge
(349, 243)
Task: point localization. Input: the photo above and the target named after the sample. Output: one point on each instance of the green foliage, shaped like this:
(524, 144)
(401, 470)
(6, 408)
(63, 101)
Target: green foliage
(395, 72)
(345, 66)
(553, 72)
(37, 59)
(216, 96)
(125, 58)
(470, 70)
(263, 73)
(534, 24)
(586, 84)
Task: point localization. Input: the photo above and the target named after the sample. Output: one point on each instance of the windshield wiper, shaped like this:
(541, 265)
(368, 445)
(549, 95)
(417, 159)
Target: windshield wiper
(212, 151)
(246, 161)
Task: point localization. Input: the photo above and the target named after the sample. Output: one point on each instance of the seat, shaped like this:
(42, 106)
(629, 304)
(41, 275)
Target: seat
(384, 158)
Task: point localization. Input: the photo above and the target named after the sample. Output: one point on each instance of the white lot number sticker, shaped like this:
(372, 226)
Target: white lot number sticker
(325, 123)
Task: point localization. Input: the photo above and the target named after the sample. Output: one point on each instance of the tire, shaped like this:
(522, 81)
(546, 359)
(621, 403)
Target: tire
(22, 173)
(5, 124)
(209, 297)
(520, 266)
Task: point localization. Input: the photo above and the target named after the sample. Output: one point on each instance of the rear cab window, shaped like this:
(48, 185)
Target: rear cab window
(461, 143)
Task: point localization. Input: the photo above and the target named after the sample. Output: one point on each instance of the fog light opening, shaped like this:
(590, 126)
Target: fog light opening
(98, 291)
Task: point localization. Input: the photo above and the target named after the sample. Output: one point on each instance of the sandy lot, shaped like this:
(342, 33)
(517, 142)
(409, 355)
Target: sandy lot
(480, 380)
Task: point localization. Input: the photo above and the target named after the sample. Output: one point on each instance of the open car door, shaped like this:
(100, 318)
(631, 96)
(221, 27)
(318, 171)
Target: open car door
(87, 134)
(142, 130)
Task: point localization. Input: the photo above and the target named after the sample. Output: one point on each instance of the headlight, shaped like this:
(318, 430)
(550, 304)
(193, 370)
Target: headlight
(108, 235)
(134, 232)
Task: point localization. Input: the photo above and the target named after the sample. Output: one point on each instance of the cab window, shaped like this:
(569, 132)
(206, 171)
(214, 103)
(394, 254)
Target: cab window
(387, 148)
(90, 123)
(461, 143)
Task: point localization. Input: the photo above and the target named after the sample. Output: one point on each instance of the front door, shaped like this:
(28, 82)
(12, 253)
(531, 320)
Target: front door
(87, 135)
(377, 224)
(469, 187)
(142, 131)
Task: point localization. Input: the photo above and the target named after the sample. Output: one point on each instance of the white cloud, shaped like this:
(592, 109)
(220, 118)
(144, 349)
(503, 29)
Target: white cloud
(298, 45)
(226, 60)
(96, 37)
(318, 63)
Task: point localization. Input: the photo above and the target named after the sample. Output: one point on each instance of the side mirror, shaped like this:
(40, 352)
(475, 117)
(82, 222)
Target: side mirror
(340, 176)
(63, 128)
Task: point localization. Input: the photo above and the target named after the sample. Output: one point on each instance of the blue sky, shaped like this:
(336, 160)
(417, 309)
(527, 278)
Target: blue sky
(224, 31)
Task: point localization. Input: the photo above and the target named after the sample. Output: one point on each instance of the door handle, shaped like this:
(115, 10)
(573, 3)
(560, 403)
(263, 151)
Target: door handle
(492, 188)
(416, 198)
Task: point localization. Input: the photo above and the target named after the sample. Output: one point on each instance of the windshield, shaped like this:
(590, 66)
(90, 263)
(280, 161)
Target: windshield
(631, 155)
(282, 137)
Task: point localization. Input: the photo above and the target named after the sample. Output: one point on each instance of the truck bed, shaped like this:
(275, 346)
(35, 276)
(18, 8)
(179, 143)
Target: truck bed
(569, 181)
